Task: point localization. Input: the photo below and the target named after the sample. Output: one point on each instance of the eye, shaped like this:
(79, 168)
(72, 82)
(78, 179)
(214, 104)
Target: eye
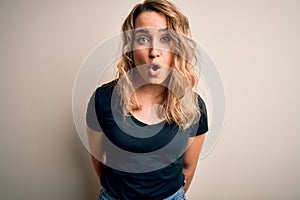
(165, 39)
(143, 40)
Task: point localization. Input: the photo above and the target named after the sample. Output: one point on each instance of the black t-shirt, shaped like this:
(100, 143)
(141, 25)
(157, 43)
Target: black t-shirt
(142, 161)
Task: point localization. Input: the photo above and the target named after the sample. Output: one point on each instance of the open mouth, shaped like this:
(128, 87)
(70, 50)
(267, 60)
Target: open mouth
(155, 67)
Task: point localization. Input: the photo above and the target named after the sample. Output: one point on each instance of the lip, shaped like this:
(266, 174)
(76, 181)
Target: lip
(154, 69)
(154, 66)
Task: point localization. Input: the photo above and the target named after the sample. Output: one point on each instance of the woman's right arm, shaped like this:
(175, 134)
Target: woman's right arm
(95, 140)
(98, 166)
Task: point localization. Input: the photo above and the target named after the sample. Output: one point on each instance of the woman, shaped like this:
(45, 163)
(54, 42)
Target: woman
(149, 125)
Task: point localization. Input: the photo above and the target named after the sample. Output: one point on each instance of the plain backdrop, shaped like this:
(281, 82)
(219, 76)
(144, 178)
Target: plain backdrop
(254, 44)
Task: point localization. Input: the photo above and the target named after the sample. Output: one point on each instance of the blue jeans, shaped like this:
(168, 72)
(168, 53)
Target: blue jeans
(179, 195)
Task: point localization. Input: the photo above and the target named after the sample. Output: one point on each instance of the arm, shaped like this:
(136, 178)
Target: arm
(95, 140)
(190, 158)
(98, 166)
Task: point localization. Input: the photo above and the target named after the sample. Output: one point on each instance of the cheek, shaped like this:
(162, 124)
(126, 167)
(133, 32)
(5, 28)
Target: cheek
(168, 58)
(139, 57)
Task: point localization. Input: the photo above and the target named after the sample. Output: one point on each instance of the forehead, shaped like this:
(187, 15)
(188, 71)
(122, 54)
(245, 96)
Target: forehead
(151, 19)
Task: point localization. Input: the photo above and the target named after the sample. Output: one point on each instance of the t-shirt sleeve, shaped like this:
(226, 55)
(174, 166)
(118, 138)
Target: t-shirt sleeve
(91, 113)
(201, 126)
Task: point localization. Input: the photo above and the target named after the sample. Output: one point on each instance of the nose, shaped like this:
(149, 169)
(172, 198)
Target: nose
(154, 52)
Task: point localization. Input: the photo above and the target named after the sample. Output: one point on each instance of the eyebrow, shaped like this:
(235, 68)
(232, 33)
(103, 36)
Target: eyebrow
(142, 30)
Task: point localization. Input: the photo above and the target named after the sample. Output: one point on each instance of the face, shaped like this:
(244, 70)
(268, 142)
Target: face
(152, 47)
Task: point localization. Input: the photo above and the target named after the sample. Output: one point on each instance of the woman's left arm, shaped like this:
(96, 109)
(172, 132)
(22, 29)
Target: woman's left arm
(190, 158)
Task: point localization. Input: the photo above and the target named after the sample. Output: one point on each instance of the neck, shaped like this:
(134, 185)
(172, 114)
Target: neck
(150, 93)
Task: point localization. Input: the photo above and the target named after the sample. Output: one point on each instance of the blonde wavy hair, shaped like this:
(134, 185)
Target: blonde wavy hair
(180, 103)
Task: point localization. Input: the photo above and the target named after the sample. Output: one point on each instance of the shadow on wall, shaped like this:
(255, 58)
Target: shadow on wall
(82, 160)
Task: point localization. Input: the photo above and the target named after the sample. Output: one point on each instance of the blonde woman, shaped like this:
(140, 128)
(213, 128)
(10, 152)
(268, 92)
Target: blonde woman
(149, 125)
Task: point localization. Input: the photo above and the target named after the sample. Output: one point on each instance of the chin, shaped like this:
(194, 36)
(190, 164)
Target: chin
(157, 81)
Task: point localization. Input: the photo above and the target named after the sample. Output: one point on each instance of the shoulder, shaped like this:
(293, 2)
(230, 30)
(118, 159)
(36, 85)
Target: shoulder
(107, 86)
(202, 124)
(201, 103)
(106, 89)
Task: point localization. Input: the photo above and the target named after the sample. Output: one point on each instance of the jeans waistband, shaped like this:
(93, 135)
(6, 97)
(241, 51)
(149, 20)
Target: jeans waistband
(179, 194)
